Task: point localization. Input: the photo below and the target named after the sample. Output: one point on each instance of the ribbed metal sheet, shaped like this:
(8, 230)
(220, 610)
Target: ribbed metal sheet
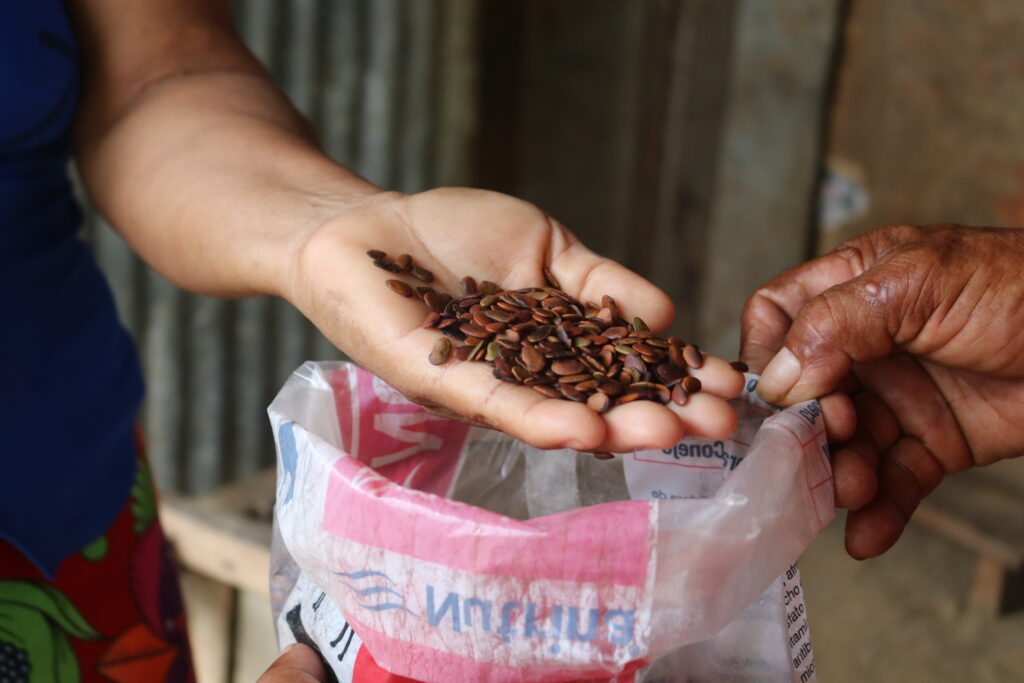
(389, 85)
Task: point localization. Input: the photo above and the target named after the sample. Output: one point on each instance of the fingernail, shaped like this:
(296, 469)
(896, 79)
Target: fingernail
(780, 376)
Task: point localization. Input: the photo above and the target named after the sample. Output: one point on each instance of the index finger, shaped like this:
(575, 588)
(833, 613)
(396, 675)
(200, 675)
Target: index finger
(768, 314)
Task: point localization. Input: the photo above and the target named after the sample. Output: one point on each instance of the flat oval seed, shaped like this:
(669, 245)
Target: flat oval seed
(568, 366)
(693, 357)
(546, 390)
(540, 333)
(376, 254)
(587, 387)
(599, 402)
(669, 373)
(610, 387)
(627, 398)
(442, 349)
(384, 264)
(533, 360)
(468, 286)
(474, 330)
(691, 384)
(404, 261)
(679, 395)
(432, 319)
(639, 325)
(603, 455)
(463, 352)
(493, 349)
(624, 350)
(574, 379)
(488, 287)
(421, 274)
(552, 280)
(400, 288)
(675, 354)
(662, 393)
(614, 333)
(739, 366)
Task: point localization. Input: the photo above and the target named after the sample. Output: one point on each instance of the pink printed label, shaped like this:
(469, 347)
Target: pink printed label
(604, 544)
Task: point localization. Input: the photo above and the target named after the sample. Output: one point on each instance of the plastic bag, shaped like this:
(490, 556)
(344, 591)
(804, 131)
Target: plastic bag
(420, 546)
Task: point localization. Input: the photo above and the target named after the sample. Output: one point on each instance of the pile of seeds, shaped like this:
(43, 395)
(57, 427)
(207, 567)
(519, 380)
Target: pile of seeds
(543, 338)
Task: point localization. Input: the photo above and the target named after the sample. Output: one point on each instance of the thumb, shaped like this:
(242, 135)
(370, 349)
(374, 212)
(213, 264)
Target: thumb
(854, 321)
(298, 663)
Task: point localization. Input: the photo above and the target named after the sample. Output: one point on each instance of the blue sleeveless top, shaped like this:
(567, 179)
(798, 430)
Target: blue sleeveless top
(71, 383)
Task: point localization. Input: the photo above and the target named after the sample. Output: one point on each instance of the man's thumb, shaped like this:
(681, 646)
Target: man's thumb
(297, 663)
(851, 322)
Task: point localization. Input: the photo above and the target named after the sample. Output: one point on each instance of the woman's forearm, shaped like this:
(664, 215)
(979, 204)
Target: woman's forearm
(191, 153)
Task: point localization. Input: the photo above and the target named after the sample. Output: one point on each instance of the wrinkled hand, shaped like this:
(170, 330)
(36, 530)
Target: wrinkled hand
(922, 328)
(297, 664)
(490, 236)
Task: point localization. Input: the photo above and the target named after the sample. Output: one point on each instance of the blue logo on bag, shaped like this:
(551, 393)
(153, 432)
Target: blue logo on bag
(389, 597)
(289, 455)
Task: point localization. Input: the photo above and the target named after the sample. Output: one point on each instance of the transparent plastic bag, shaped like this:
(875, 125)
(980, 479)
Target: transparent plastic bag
(420, 546)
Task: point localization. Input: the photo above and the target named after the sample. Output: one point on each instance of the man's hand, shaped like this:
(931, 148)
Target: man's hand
(922, 327)
(297, 664)
(490, 236)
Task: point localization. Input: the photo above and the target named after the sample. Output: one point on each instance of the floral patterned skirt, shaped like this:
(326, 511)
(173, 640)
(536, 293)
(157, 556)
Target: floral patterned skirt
(112, 611)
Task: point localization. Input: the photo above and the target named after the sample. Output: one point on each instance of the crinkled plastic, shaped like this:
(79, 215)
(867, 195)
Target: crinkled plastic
(453, 553)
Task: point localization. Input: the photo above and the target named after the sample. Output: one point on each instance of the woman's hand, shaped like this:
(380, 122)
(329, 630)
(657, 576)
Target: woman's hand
(923, 328)
(489, 236)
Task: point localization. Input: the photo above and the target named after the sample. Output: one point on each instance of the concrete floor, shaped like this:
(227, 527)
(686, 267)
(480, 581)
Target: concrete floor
(902, 617)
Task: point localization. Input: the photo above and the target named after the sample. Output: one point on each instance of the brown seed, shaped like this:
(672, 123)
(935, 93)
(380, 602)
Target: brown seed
(679, 395)
(639, 325)
(676, 341)
(423, 290)
(617, 332)
(442, 349)
(691, 384)
(421, 274)
(376, 254)
(610, 387)
(387, 265)
(581, 342)
(669, 373)
(488, 287)
(605, 316)
(662, 393)
(569, 366)
(548, 391)
(433, 301)
(739, 366)
(599, 402)
(539, 379)
(464, 352)
(468, 286)
(399, 287)
(574, 379)
(675, 354)
(643, 348)
(627, 398)
(540, 333)
(521, 374)
(634, 363)
(657, 342)
(552, 280)
(533, 360)
(603, 455)
(495, 328)
(693, 357)
(479, 350)
(624, 350)
(587, 387)
(609, 303)
(432, 319)
(473, 330)
(404, 262)
(570, 392)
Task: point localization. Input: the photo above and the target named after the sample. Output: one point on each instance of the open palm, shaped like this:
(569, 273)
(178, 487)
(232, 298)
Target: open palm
(490, 236)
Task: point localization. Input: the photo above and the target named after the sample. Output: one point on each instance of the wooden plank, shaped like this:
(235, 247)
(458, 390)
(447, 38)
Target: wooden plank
(209, 608)
(227, 547)
(761, 219)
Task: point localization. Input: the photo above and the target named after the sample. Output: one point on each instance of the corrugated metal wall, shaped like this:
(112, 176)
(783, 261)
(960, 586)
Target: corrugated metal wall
(390, 86)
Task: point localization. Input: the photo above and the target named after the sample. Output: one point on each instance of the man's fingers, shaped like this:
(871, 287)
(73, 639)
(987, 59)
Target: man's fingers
(908, 472)
(297, 664)
(848, 323)
(768, 314)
